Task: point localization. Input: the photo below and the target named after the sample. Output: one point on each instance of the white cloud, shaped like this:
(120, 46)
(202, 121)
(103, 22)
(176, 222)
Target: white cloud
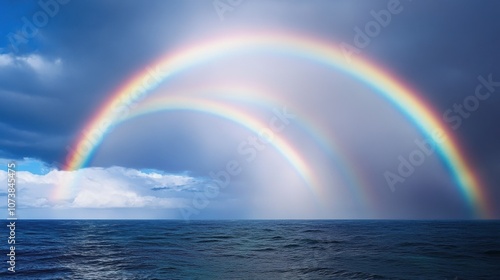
(114, 187)
(35, 62)
(6, 60)
(158, 178)
(116, 197)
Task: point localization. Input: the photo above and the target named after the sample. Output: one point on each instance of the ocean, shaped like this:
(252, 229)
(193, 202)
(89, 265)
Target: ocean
(274, 249)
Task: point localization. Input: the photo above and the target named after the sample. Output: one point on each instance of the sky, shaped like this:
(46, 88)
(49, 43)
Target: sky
(61, 61)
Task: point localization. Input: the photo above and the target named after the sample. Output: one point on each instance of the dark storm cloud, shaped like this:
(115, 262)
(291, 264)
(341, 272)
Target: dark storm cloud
(98, 44)
(442, 47)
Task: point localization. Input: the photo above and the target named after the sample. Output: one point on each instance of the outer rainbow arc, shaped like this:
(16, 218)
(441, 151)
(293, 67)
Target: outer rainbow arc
(390, 88)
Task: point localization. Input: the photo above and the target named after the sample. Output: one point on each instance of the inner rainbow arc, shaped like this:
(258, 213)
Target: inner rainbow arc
(230, 113)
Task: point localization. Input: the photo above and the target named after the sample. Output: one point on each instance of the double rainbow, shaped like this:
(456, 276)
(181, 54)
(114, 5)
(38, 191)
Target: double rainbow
(402, 97)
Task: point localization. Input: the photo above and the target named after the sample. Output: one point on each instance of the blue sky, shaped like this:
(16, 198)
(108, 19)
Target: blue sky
(59, 61)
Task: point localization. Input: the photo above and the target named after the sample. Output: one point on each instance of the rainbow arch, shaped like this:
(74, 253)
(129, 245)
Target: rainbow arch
(402, 97)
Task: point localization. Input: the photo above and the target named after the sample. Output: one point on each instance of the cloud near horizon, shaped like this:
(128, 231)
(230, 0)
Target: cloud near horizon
(114, 187)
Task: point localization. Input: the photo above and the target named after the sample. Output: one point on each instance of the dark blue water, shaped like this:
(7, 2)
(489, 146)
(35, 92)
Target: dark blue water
(255, 250)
